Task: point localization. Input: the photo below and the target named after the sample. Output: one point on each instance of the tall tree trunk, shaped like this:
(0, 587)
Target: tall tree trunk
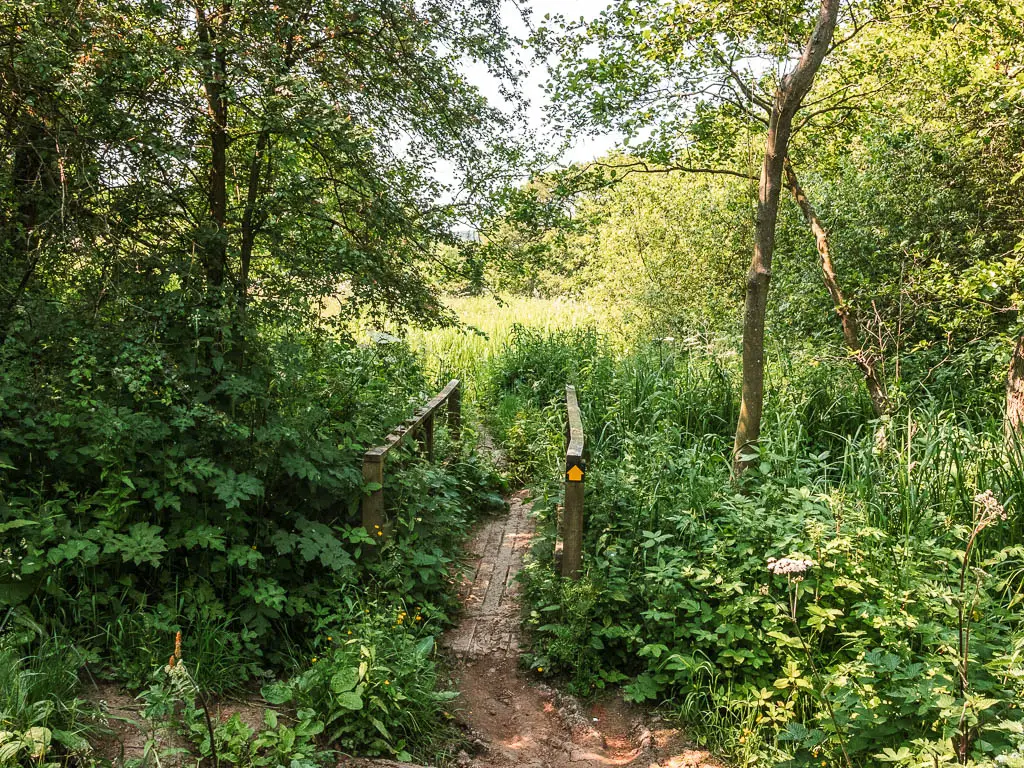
(211, 31)
(788, 97)
(249, 224)
(868, 361)
(1014, 422)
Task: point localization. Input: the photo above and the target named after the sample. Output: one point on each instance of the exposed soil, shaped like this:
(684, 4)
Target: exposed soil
(511, 717)
(131, 736)
(516, 721)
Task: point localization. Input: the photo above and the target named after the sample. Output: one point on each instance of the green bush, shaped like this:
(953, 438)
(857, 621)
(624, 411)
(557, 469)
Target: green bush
(147, 487)
(858, 655)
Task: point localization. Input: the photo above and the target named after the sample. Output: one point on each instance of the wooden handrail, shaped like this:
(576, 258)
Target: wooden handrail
(422, 421)
(575, 469)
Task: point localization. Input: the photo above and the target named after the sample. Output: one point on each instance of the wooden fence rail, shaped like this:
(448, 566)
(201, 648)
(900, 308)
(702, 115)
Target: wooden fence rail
(575, 468)
(421, 424)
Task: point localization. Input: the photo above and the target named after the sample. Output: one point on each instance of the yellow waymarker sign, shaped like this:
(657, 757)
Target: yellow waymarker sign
(575, 474)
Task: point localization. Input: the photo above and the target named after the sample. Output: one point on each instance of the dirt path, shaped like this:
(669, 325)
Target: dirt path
(515, 721)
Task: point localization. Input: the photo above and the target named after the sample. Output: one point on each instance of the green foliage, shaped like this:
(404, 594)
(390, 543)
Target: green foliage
(371, 686)
(857, 655)
(284, 741)
(42, 721)
(243, 159)
(374, 684)
(537, 365)
(136, 503)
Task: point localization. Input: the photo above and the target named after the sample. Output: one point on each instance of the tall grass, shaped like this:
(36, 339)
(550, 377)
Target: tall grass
(676, 596)
(38, 688)
(467, 351)
(926, 473)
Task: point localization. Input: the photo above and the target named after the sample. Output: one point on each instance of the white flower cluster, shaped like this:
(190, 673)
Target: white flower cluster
(991, 509)
(9, 562)
(790, 566)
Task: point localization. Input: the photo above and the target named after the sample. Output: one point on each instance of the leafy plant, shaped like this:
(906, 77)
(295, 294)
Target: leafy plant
(373, 686)
(42, 721)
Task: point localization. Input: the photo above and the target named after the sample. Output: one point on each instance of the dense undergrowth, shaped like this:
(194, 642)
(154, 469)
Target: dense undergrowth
(214, 492)
(816, 614)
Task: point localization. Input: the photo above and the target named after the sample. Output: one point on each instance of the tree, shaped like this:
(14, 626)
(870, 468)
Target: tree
(788, 98)
(696, 81)
(866, 358)
(916, 177)
(250, 155)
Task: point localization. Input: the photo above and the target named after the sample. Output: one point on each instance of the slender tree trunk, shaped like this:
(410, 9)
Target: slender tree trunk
(249, 226)
(211, 31)
(788, 97)
(1014, 422)
(869, 362)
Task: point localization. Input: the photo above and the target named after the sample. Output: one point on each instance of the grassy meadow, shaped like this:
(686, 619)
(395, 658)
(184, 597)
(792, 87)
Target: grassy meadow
(814, 613)
(468, 351)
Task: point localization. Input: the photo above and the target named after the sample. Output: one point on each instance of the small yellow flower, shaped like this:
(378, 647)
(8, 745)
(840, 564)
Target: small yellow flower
(314, 659)
(419, 618)
(330, 639)
(540, 669)
(350, 631)
(387, 682)
(380, 533)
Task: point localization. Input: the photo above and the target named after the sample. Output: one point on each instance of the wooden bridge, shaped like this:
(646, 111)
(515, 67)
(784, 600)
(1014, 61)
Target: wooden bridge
(569, 548)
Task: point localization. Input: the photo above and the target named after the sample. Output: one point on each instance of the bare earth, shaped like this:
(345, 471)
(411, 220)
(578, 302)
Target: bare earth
(515, 721)
(512, 718)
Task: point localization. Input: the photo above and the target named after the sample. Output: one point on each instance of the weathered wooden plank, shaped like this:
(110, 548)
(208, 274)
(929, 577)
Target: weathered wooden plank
(572, 514)
(455, 414)
(412, 424)
(575, 423)
(372, 506)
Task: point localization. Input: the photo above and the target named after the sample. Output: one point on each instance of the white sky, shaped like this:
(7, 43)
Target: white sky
(583, 149)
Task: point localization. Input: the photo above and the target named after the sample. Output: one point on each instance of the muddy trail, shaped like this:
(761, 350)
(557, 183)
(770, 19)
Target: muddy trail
(514, 720)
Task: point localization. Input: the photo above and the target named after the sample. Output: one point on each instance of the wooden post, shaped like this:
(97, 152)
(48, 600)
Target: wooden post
(373, 504)
(572, 513)
(455, 413)
(572, 545)
(422, 426)
(428, 437)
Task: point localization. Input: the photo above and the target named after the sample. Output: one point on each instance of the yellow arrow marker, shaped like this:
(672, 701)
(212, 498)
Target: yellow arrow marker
(575, 474)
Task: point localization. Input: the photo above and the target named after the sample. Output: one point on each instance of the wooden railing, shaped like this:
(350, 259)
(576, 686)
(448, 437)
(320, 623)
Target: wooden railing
(575, 468)
(422, 423)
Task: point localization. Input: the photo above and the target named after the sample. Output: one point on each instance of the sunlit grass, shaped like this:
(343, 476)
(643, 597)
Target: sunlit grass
(465, 352)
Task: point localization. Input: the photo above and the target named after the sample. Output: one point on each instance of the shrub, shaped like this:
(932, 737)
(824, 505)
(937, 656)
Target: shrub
(854, 661)
(139, 498)
(42, 721)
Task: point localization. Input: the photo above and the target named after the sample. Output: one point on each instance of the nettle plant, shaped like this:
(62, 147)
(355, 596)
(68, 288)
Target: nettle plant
(884, 627)
(142, 499)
